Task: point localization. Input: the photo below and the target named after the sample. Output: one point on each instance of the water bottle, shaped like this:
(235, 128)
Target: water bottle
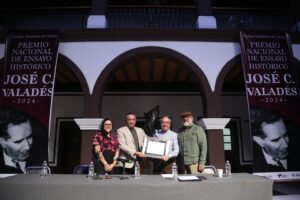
(91, 171)
(174, 171)
(227, 168)
(137, 173)
(44, 171)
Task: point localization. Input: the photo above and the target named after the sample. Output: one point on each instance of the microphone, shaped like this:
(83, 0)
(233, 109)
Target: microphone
(124, 160)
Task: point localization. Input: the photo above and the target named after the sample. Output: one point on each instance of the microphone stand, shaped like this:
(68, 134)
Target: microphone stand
(123, 161)
(123, 177)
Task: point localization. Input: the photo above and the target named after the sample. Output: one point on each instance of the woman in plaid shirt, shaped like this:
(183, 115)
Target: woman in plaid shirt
(106, 149)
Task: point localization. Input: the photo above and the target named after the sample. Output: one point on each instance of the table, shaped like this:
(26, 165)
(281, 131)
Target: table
(239, 186)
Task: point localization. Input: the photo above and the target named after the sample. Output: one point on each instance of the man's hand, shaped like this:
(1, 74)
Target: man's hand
(201, 167)
(165, 158)
(139, 154)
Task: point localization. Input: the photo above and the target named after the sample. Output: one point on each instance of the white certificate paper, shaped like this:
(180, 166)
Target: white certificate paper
(157, 148)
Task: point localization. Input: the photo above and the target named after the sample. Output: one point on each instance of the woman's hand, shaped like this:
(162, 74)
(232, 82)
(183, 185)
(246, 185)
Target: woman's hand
(97, 149)
(112, 165)
(108, 168)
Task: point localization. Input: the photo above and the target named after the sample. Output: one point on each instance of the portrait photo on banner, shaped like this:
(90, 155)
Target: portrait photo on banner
(275, 141)
(23, 141)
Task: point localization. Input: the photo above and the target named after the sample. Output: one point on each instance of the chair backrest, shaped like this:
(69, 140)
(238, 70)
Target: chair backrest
(81, 169)
(35, 170)
(210, 169)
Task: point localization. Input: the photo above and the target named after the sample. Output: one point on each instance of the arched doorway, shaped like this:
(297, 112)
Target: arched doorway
(142, 78)
(70, 93)
(237, 141)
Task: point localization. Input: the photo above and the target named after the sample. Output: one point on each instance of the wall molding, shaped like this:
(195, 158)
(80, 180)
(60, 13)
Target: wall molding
(88, 123)
(213, 123)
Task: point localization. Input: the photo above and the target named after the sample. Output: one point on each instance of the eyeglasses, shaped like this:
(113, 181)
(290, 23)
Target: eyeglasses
(107, 124)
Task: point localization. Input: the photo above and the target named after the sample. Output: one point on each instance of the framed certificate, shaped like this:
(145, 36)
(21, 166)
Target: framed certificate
(154, 148)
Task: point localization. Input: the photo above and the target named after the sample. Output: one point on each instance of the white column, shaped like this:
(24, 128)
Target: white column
(213, 123)
(88, 123)
(206, 22)
(96, 21)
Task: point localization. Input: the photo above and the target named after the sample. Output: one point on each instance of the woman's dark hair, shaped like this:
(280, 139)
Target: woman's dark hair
(102, 125)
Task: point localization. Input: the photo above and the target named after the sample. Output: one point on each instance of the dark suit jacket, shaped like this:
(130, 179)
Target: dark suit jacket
(260, 164)
(38, 153)
(7, 169)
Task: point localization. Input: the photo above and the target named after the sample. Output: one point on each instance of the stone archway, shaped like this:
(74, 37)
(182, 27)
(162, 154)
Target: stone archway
(225, 70)
(210, 109)
(83, 83)
(233, 68)
(64, 153)
(101, 82)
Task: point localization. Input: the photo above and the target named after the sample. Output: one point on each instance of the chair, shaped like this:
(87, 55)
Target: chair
(81, 169)
(35, 170)
(210, 169)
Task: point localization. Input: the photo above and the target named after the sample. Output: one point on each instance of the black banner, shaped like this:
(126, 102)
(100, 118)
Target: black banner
(26, 95)
(274, 105)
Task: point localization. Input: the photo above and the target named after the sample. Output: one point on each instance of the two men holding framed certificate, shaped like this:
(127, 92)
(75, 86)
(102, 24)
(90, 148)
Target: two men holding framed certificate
(162, 149)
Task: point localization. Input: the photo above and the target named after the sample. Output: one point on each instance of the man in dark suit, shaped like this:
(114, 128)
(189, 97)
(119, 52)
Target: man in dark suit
(16, 140)
(271, 147)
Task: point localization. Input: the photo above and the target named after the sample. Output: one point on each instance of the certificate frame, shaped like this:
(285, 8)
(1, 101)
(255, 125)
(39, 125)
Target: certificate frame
(155, 148)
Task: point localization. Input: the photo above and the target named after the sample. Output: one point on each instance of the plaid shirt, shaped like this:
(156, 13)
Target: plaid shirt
(106, 143)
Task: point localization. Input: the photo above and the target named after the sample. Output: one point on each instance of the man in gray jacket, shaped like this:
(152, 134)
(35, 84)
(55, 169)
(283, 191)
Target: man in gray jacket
(131, 140)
